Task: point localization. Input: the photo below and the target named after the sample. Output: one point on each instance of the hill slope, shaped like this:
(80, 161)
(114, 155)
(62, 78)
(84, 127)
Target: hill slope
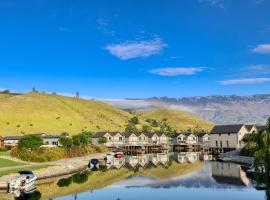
(176, 119)
(54, 114)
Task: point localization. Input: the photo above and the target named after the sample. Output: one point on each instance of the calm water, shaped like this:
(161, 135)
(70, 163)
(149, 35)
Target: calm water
(160, 177)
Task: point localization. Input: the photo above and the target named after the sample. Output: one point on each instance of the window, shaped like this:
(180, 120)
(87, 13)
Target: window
(110, 138)
(220, 134)
(140, 138)
(227, 143)
(216, 143)
(229, 134)
(220, 143)
(120, 138)
(55, 143)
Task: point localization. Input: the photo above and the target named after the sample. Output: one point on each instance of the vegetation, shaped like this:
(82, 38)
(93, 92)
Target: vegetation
(102, 140)
(30, 142)
(8, 163)
(176, 120)
(53, 114)
(31, 168)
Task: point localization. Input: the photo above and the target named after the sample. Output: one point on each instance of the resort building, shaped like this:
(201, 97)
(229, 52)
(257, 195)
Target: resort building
(204, 139)
(114, 139)
(11, 141)
(185, 139)
(228, 136)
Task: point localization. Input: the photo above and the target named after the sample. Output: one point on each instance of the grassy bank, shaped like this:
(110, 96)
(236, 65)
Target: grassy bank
(8, 163)
(31, 168)
(51, 154)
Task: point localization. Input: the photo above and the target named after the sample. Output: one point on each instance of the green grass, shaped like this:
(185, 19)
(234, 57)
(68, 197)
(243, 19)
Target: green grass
(30, 168)
(179, 120)
(5, 153)
(8, 163)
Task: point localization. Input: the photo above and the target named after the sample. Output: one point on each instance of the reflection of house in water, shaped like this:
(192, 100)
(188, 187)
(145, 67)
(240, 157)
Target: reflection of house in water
(115, 163)
(206, 157)
(186, 157)
(229, 173)
(159, 158)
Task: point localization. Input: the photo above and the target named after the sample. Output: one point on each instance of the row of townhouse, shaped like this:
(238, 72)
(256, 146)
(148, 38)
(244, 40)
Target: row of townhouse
(231, 136)
(191, 139)
(115, 139)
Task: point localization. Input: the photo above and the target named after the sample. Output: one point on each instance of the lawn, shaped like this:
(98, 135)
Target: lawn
(5, 153)
(8, 163)
(30, 168)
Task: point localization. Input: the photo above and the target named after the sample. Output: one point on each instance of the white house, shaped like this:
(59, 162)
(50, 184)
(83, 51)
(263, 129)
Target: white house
(204, 139)
(114, 139)
(228, 136)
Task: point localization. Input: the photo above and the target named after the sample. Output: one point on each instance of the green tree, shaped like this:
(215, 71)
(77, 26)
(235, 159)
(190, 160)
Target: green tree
(30, 142)
(134, 120)
(66, 142)
(146, 128)
(102, 140)
(81, 139)
(154, 123)
(131, 128)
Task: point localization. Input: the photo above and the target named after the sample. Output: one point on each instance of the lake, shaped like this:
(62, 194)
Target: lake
(156, 176)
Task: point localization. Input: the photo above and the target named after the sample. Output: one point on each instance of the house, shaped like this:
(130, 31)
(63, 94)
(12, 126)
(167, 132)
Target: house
(204, 139)
(51, 140)
(114, 139)
(142, 138)
(2, 142)
(131, 139)
(11, 141)
(153, 138)
(179, 138)
(228, 136)
(163, 138)
(191, 138)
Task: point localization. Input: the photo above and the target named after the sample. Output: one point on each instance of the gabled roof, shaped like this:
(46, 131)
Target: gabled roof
(129, 134)
(261, 127)
(224, 129)
(249, 127)
(51, 136)
(101, 134)
(202, 134)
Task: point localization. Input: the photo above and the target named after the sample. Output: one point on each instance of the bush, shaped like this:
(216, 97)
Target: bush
(3, 149)
(134, 120)
(66, 142)
(81, 139)
(30, 142)
(102, 140)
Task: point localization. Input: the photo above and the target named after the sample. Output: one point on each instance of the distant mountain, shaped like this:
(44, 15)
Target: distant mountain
(217, 109)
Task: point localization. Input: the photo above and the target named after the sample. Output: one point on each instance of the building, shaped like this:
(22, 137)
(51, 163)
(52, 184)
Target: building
(114, 139)
(185, 139)
(48, 140)
(204, 139)
(2, 142)
(51, 140)
(131, 139)
(228, 136)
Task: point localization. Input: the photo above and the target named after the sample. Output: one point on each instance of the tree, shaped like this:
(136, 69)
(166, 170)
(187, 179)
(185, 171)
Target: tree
(130, 128)
(102, 140)
(134, 120)
(66, 142)
(81, 139)
(30, 142)
(146, 128)
(154, 123)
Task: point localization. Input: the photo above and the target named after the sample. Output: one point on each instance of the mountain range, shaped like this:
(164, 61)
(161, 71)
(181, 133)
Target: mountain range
(232, 109)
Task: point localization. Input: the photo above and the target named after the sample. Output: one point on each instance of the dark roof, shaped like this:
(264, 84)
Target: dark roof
(101, 134)
(261, 127)
(12, 137)
(249, 127)
(202, 134)
(224, 129)
(51, 136)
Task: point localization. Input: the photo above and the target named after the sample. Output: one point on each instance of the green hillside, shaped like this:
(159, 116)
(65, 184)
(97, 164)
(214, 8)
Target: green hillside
(179, 120)
(54, 114)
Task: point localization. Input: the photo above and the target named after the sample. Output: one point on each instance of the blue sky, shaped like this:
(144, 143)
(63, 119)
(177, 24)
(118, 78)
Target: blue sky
(124, 48)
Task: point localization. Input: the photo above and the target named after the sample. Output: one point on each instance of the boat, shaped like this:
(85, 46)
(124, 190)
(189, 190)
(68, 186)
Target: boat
(26, 180)
(93, 164)
(119, 155)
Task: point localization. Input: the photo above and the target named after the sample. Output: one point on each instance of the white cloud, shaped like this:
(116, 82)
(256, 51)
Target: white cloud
(262, 48)
(135, 49)
(176, 71)
(104, 27)
(214, 3)
(244, 81)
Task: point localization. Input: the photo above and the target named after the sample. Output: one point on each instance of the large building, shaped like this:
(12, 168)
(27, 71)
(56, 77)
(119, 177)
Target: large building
(228, 136)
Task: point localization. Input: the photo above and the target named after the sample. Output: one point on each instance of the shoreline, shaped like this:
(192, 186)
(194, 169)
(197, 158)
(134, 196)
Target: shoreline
(57, 169)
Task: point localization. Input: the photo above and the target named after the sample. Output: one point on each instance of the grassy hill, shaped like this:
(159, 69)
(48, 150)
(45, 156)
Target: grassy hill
(54, 114)
(180, 121)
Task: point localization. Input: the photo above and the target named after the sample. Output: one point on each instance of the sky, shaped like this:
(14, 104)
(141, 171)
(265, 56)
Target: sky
(135, 48)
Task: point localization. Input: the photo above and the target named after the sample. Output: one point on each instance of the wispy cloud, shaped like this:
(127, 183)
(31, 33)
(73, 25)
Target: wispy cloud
(176, 71)
(258, 69)
(135, 49)
(103, 26)
(244, 81)
(262, 49)
(214, 3)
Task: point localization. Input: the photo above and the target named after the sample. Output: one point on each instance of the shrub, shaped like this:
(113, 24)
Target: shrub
(3, 149)
(30, 142)
(81, 139)
(134, 120)
(102, 140)
(66, 142)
